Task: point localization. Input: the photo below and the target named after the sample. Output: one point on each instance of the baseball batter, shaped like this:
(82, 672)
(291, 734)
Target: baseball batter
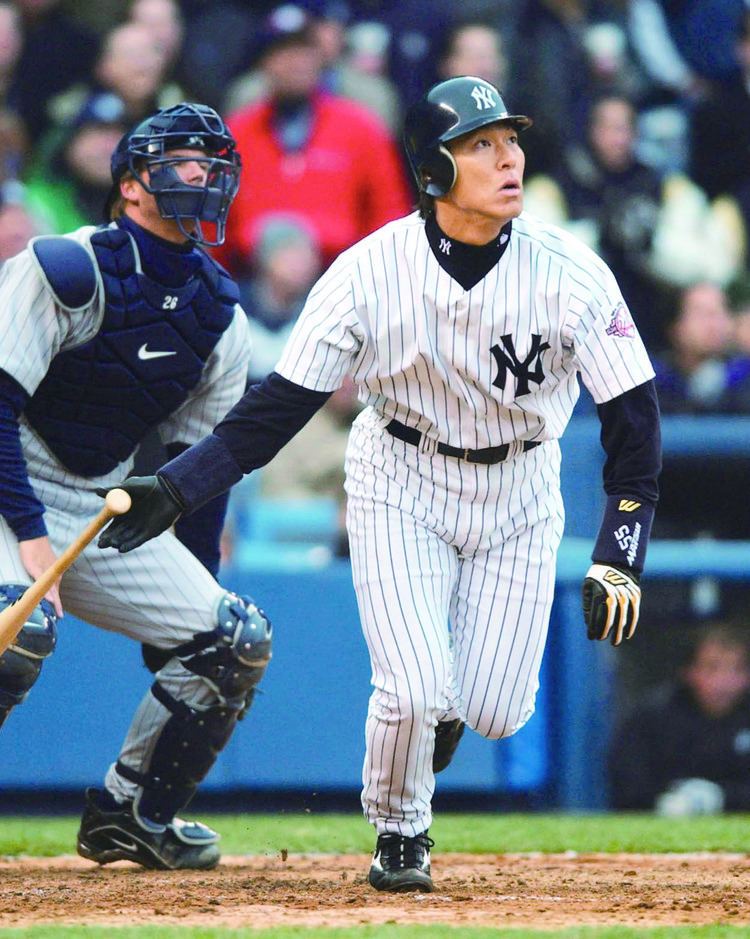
(106, 334)
(465, 326)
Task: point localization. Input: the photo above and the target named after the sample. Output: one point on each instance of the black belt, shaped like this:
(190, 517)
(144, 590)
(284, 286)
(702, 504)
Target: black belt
(488, 455)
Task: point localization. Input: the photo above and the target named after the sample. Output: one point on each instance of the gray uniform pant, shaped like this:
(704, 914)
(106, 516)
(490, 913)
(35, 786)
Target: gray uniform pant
(158, 594)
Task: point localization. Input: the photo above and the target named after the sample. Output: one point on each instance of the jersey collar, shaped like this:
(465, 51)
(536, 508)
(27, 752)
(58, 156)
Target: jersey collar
(466, 264)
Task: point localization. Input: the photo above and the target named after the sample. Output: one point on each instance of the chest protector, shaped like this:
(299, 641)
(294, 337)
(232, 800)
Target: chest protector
(98, 401)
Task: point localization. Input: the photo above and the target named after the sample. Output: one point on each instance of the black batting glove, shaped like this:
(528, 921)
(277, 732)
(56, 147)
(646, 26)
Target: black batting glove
(156, 507)
(611, 602)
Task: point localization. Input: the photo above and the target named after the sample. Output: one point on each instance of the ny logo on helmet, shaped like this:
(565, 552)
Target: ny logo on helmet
(483, 97)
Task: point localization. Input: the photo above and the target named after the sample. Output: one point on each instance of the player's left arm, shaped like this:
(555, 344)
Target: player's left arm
(631, 439)
(616, 369)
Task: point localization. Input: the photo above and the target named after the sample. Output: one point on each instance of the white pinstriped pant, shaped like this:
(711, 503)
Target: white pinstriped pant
(435, 540)
(159, 594)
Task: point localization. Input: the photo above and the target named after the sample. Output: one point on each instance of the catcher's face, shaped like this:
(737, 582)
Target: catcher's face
(192, 167)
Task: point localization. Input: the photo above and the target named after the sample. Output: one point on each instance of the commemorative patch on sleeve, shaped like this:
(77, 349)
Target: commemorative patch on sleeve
(621, 326)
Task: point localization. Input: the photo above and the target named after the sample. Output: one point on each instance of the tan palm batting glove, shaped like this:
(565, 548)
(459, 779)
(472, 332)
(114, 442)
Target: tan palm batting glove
(611, 602)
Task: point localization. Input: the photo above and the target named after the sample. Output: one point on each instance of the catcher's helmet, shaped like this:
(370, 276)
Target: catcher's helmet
(184, 126)
(449, 109)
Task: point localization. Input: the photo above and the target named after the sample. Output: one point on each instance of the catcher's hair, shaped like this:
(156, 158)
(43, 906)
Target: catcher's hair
(117, 209)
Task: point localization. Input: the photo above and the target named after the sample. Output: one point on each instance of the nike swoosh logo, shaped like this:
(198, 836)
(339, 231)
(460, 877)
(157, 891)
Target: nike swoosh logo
(145, 353)
(131, 845)
(127, 845)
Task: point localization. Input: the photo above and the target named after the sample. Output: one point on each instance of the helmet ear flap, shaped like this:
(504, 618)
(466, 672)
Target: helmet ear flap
(438, 174)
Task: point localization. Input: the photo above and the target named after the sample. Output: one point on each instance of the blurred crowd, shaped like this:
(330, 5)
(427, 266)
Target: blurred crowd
(684, 748)
(640, 145)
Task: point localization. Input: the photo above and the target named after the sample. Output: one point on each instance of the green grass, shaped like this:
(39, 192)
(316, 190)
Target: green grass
(477, 834)
(266, 834)
(378, 932)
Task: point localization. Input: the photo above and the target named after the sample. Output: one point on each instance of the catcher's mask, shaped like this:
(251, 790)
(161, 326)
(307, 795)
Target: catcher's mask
(151, 145)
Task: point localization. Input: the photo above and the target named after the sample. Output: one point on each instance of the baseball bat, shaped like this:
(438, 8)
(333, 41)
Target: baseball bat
(13, 617)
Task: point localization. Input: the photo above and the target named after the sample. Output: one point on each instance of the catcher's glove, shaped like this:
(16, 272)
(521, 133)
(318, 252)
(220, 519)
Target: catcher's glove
(611, 602)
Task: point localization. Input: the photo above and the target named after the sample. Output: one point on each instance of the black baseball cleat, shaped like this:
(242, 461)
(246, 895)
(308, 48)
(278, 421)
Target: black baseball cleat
(115, 834)
(447, 737)
(402, 864)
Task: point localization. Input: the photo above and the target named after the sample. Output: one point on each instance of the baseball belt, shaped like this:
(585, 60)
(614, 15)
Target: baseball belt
(488, 455)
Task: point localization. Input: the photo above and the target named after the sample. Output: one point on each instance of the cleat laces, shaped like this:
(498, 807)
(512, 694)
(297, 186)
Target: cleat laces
(397, 852)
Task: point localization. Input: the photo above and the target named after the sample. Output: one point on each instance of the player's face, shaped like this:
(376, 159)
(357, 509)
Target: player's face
(192, 167)
(488, 190)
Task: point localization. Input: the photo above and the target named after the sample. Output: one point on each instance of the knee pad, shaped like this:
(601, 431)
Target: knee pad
(232, 610)
(22, 661)
(232, 659)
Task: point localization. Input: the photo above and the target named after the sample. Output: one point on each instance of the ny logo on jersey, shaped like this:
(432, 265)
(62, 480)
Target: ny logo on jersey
(508, 361)
(445, 245)
(483, 97)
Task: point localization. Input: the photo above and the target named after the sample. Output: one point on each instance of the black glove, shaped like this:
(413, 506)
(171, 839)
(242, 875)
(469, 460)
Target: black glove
(155, 508)
(611, 602)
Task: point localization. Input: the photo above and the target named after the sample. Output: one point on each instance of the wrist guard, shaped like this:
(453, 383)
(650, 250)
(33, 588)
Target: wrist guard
(624, 533)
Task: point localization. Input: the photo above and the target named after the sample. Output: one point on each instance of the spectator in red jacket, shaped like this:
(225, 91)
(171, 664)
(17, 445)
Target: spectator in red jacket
(308, 153)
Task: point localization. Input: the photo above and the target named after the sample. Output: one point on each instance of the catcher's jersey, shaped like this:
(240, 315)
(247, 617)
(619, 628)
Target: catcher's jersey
(476, 368)
(33, 329)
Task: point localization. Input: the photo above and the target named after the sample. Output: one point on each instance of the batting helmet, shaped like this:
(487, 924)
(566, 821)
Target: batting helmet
(449, 109)
(150, 144)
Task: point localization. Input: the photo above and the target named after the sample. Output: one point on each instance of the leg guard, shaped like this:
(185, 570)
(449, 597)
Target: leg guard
(21, 662)
(232, 659)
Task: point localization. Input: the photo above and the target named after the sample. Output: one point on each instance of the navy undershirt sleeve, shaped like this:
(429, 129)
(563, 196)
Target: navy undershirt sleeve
(200, 531)
(631, 438)
(265, 418)
(19, 505)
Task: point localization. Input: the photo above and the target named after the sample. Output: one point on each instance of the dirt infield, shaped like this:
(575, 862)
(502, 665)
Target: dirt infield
(330, 890)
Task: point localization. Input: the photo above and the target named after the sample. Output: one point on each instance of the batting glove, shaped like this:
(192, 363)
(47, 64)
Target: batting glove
(611, 602)
(155, 507)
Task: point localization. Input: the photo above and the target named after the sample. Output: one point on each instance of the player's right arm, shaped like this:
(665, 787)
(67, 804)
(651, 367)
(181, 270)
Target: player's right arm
(19, 505)
(32, 330)
(318, 355)
(267, 416)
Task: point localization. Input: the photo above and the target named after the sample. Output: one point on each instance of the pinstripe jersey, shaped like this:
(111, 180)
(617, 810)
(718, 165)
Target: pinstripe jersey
(464, 366)
(453, 561)
(33, 329)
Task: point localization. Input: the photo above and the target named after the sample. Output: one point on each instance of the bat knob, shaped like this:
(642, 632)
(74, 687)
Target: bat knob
(118, 501)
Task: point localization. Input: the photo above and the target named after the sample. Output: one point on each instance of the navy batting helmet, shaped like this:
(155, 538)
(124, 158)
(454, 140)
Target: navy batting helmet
(449, 109)
(150, 145)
